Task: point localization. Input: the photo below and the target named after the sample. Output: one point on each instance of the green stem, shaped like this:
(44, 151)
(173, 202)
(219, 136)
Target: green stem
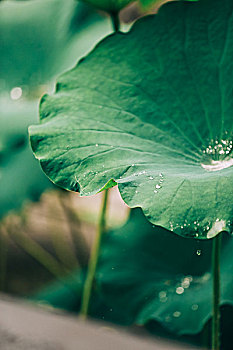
(115, 21)
(94, 258)
(216, 292)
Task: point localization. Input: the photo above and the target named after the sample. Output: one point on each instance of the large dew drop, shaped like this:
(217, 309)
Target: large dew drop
(216, 165)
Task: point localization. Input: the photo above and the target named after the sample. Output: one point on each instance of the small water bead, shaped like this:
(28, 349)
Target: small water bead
(198, 252)
(168, 318)
(177, 314)
(171, 226)
(179, 290)
(155, 191)
(194, 307)
(206, 277)
(157, 186)
(96, 145)
(185, 282)
(16, 93)
(151, 178)
(163, 296)
(163, 300)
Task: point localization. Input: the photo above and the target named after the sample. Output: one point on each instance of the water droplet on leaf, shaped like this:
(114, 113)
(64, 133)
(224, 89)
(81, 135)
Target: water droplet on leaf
(179, 290)
(194, 307)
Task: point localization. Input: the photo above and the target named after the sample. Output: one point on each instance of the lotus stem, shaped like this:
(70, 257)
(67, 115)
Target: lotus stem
(88, 286)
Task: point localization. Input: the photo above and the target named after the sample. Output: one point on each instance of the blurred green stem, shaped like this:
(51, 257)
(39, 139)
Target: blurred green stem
(115, 21)
(59, 236)
(88, 286)
(216, 292)
(35, 250)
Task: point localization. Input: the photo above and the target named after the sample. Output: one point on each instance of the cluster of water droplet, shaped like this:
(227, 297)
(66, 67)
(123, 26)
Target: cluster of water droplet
(196, 229)
(218, 155)
(184, 225)
(218, 150)
(158, 186)
(179, 287)
(158, 179)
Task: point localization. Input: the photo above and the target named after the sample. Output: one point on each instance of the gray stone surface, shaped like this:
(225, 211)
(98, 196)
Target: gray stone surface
(11, 341)
(26, 327)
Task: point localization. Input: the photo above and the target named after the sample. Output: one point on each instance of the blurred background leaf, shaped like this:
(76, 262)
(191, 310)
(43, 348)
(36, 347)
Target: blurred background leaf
(20, 175)
(39, 39)
(147, 273)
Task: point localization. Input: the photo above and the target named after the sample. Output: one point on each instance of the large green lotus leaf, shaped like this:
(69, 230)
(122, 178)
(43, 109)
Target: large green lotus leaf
(151, 110)
(111, 6)
(147, 274)
(20, 176)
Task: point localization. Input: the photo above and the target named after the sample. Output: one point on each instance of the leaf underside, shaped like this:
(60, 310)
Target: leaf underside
(151, 110)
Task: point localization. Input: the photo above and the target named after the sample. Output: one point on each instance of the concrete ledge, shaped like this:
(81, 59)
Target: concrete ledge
(27, 327)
